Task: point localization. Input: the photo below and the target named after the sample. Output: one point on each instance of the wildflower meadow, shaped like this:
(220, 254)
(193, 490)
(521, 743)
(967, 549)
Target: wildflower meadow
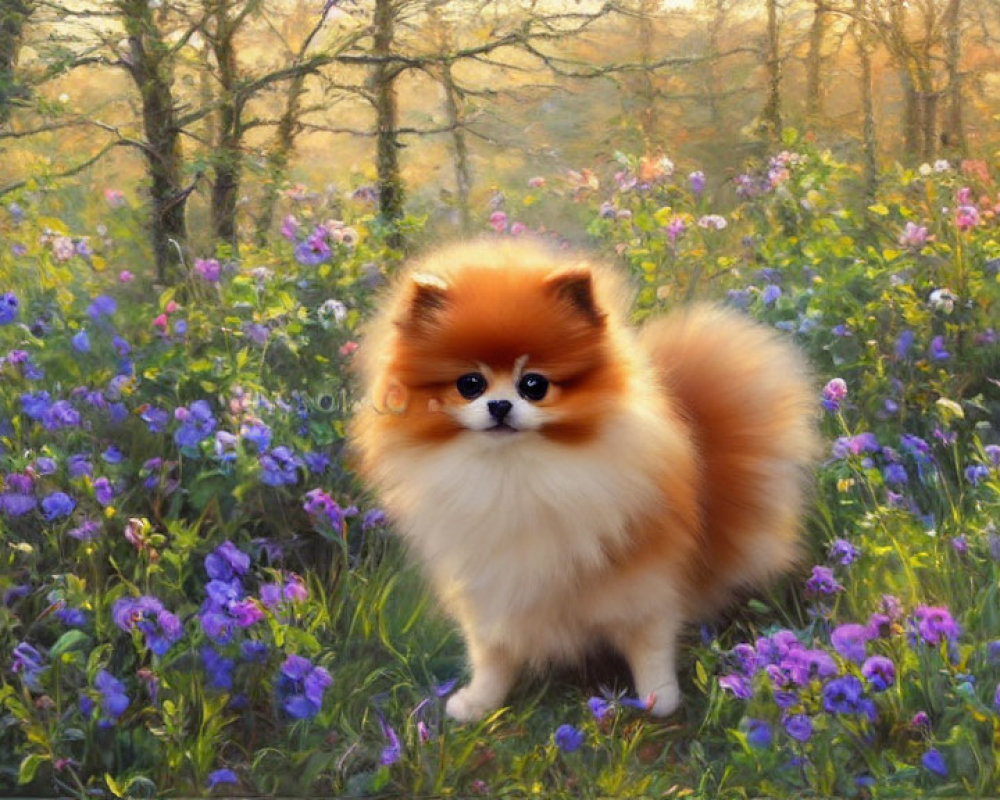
(197, 597)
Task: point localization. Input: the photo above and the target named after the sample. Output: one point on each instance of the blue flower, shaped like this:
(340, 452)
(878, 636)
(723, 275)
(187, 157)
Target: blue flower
(568, 739)
(300, 687)
(146, 613)
(60, 415)
(197, 423)
(770, 294)
(758, 734)
(114, 701)
(102, 305)
(218, 668)
(894, 474)
(258, 434)
(8, 308)
(846, 696)
(843, 552)
(799, 727)
(27, 662)
(34, 405)
(72, 617)
(933, 761)
(226, 561)
(850, 639)
(880, 673)
(736, 684)
(976, 473)
(81, 341)
(57, 505)
(937, 349)
(220, 776)
(280, 467)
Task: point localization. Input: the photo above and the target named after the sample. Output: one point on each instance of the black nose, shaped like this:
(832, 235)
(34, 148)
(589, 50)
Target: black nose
(499, 409)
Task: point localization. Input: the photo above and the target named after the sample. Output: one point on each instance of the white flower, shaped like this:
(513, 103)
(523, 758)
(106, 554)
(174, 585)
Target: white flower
(941, 165)
(712, 221)
(334, 311)
(924, 169)
(943, 300)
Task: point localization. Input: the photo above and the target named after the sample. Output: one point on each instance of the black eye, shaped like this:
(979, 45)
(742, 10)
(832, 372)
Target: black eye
(533, 386)
(471, 385)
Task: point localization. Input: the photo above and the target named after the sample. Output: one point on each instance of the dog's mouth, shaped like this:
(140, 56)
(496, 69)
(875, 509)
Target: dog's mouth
(501, 428)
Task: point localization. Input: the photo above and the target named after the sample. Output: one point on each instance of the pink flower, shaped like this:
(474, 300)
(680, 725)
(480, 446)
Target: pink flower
(161, 322)
(498, 221)
(518, 228)
(966, 217)
(114, 197)
(537, 182)
(348, 348)
(171, 307)
(914, 236)
(125, 276)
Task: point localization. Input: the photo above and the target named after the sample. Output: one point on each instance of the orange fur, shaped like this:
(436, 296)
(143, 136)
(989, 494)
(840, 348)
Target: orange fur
(662, 470)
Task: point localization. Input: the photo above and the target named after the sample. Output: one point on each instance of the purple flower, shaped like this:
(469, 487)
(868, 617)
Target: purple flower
(937, 349)
(933, 761)
(758, 734)
(85, 531)
(81, 341)
(799, 727)
(393, 751)
(114, 701)
(218, 668)
(156, 418)
(72, 617)
(935, 623)
(894, 474)
(57, 505)
(225, 561)
(599, 707)
(697, 182)
(769, 294)
(822, 581)
(300, 687)
(35, 404)
(913, 236)
(568, 739)
(976, 473)
(104, 492)
(27, 662)
(880, 673)
(843, 552)
(221, 776)
(834, 394)
(373, 518)
(146, 613)
(18, 499)
(280, 467)
(197, 423)
(102, 306)
(313, 250)
(79, 465)
(258, 434)
(208, 268)
(846, 696)
(737, 684)
(8, 308)
(850, 640)
(317, 462)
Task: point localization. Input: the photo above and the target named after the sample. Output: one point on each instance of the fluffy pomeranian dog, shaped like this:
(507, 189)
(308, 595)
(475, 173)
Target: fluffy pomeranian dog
(566, 480)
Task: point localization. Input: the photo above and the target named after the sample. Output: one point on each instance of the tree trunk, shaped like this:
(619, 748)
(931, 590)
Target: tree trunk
(279, 155)
(14, 16)
(646, 91)
(771, 113)
(911, 115)
(928, 122)
(714, 88)
(953, 135)
(862, 38)
(227, 159)
(463, 177)
(390, 184)
(151, 70)
(814, 61)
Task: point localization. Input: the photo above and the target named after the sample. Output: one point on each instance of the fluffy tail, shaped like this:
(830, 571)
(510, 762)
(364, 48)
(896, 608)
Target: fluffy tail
(750, 400)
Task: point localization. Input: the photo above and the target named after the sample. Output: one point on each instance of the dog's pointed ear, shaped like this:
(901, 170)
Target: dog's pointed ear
(575, 286)
(428, 295)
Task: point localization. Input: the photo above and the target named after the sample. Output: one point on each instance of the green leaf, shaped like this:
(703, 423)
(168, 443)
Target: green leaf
(70, 640)
(29, 766)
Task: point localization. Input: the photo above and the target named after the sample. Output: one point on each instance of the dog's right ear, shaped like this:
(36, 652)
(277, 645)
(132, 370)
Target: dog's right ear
(428, 295)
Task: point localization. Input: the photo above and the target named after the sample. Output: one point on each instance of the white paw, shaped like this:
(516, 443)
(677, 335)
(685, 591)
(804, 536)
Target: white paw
(467, 705)
(666, 699)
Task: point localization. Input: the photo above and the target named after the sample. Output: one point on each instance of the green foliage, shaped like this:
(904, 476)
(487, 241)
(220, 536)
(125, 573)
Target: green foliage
(193, 581)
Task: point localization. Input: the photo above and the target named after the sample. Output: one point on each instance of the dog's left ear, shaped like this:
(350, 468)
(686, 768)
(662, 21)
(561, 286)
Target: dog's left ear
(575, 286)
(428, 295)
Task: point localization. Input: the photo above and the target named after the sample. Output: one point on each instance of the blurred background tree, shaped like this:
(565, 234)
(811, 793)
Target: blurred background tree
(208, 112)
